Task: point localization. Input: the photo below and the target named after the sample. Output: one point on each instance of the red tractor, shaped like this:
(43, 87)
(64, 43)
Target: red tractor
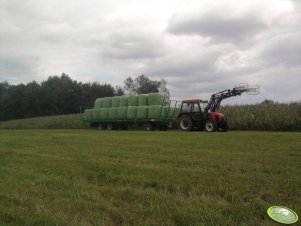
(192, 117)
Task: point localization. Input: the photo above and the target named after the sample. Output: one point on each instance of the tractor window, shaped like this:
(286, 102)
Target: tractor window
(191, 107)
(186, 107)
(196, 107)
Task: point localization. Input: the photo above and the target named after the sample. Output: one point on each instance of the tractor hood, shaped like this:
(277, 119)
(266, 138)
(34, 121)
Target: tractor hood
(216, 116)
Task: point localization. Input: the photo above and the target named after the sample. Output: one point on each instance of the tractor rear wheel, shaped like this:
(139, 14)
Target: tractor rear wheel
(185, 123)
(210, 126)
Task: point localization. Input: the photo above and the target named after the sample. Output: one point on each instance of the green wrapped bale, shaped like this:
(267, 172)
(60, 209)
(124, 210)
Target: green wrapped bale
(113, 112)
(95, 114)
(155, 99)
(98, 103)
(104, 114)
(122, 113)
(88, 115)
(131, 112)
(142, 112)
(107, 102)
(133, 101)
(142, 100)
(154, 111)
(123, 102)
(115, 101)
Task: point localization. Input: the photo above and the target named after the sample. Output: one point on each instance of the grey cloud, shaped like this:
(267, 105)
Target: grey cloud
(284, 49)
(218, 27)
(132, 46)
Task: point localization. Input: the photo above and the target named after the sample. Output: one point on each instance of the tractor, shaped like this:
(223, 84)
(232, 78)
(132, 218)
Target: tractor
(196, 114)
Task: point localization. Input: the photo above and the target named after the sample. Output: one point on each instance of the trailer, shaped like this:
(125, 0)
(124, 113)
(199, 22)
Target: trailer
(153, 111)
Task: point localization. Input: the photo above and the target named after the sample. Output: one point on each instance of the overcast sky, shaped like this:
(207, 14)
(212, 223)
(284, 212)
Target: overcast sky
(198, 46)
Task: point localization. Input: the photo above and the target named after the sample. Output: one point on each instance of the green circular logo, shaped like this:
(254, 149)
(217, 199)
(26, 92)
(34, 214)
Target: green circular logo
(282, 214)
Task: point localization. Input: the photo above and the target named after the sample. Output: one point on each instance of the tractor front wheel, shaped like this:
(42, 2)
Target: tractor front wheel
(185, 123)
(210, 126)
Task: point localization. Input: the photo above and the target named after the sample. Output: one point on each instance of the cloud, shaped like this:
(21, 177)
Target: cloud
(217, 26)
(200, 47)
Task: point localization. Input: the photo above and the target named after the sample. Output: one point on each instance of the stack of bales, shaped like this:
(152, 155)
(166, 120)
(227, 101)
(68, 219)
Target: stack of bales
(135, 107)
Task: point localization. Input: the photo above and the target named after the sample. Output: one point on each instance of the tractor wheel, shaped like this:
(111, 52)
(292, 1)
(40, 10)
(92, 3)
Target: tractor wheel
(185, 123)
(101, 126)
(210, 126)
(149, 127)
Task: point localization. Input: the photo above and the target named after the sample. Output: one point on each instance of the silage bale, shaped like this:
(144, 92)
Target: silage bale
(107, 102)
(155, 99)
(113, 112)
(131, 112)
(142, 112)
(133, 100)
(154, 111)
(95, 114)
(115, 101)
(88, 115)
(123, 102)
(104, 114)
(122, 113)
(98, 103)
(142, 100)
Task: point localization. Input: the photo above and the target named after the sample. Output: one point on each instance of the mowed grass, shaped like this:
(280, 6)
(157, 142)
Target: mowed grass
(86, 177)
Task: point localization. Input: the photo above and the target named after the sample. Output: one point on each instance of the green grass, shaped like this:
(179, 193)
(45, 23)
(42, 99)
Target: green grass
(86, 177)
(46, 122)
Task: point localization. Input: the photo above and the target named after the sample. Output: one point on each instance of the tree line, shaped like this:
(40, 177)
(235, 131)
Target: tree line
(60, 95)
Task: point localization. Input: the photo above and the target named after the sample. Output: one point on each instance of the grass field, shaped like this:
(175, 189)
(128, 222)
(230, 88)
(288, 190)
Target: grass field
(72, 121)
(86, 177)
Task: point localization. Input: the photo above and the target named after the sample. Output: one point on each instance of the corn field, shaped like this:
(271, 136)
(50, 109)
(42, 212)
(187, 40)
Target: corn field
(265, 116)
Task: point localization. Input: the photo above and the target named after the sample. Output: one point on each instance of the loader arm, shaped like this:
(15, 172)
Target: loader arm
(216, 98)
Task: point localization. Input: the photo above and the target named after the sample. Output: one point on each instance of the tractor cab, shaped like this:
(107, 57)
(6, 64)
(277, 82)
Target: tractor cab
(193, 105)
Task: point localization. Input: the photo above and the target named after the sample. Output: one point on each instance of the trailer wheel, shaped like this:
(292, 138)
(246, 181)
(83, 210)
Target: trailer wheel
(110, 126)
(210, 126)
(101, 126)
(149, 127)
(185, 123)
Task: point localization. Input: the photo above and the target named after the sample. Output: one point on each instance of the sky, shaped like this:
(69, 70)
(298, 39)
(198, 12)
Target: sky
(199, 46)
